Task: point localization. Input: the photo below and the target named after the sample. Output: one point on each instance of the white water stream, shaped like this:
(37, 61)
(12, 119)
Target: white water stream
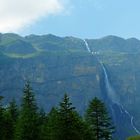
(111, 93)
(87, 46)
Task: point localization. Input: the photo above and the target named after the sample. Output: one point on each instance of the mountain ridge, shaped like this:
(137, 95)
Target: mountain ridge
(45, 35)
(39, 44)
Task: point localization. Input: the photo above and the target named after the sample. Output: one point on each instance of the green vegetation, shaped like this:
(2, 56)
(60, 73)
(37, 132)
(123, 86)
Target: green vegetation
(61, 123)
(27, 127)
(23, 56)
(116, 58)
(99, 121)
(134, 138)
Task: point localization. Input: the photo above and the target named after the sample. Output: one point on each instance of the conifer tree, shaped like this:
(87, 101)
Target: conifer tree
(50, 129)
(10, 118)
(70, 127)
(13, 110)
(98, 119)
(42, 124)
(42, 116)
(1, 120)
(28, 124)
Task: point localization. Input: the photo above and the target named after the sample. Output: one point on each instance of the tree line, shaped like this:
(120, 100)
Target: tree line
(28, 122)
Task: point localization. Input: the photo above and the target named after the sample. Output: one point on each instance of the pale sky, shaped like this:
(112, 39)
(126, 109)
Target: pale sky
(79, 18)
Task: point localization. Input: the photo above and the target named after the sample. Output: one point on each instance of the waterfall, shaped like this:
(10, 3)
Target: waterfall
(131, 118)
(113, 97)
(87, 46)
(112, 94)
(110, 91)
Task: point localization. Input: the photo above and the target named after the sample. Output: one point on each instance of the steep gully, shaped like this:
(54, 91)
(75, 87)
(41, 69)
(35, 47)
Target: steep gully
(111, 92)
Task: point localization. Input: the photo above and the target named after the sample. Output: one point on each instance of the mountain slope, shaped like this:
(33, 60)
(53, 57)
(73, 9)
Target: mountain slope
(56, 65)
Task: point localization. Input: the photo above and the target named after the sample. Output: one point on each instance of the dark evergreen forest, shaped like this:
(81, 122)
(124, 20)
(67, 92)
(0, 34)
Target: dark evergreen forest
(29, 122)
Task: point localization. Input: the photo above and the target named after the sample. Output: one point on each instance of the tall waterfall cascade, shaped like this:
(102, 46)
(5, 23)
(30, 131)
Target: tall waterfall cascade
(111, 92)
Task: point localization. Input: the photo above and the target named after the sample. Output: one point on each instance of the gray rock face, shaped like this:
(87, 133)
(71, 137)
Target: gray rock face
(55, 65)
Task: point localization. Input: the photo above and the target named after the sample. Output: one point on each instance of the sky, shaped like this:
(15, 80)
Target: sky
(79, 18)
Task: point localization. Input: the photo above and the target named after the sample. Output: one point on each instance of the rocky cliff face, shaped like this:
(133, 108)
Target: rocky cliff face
(56, 65)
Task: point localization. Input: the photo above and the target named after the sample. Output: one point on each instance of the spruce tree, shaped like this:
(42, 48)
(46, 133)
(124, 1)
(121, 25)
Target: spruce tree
(13, 110)
(50, 129)
(10, 118)
(70, 126)
(1, 120)
(42, 123)
(98, 119)
(28, 121)
(42, 117)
